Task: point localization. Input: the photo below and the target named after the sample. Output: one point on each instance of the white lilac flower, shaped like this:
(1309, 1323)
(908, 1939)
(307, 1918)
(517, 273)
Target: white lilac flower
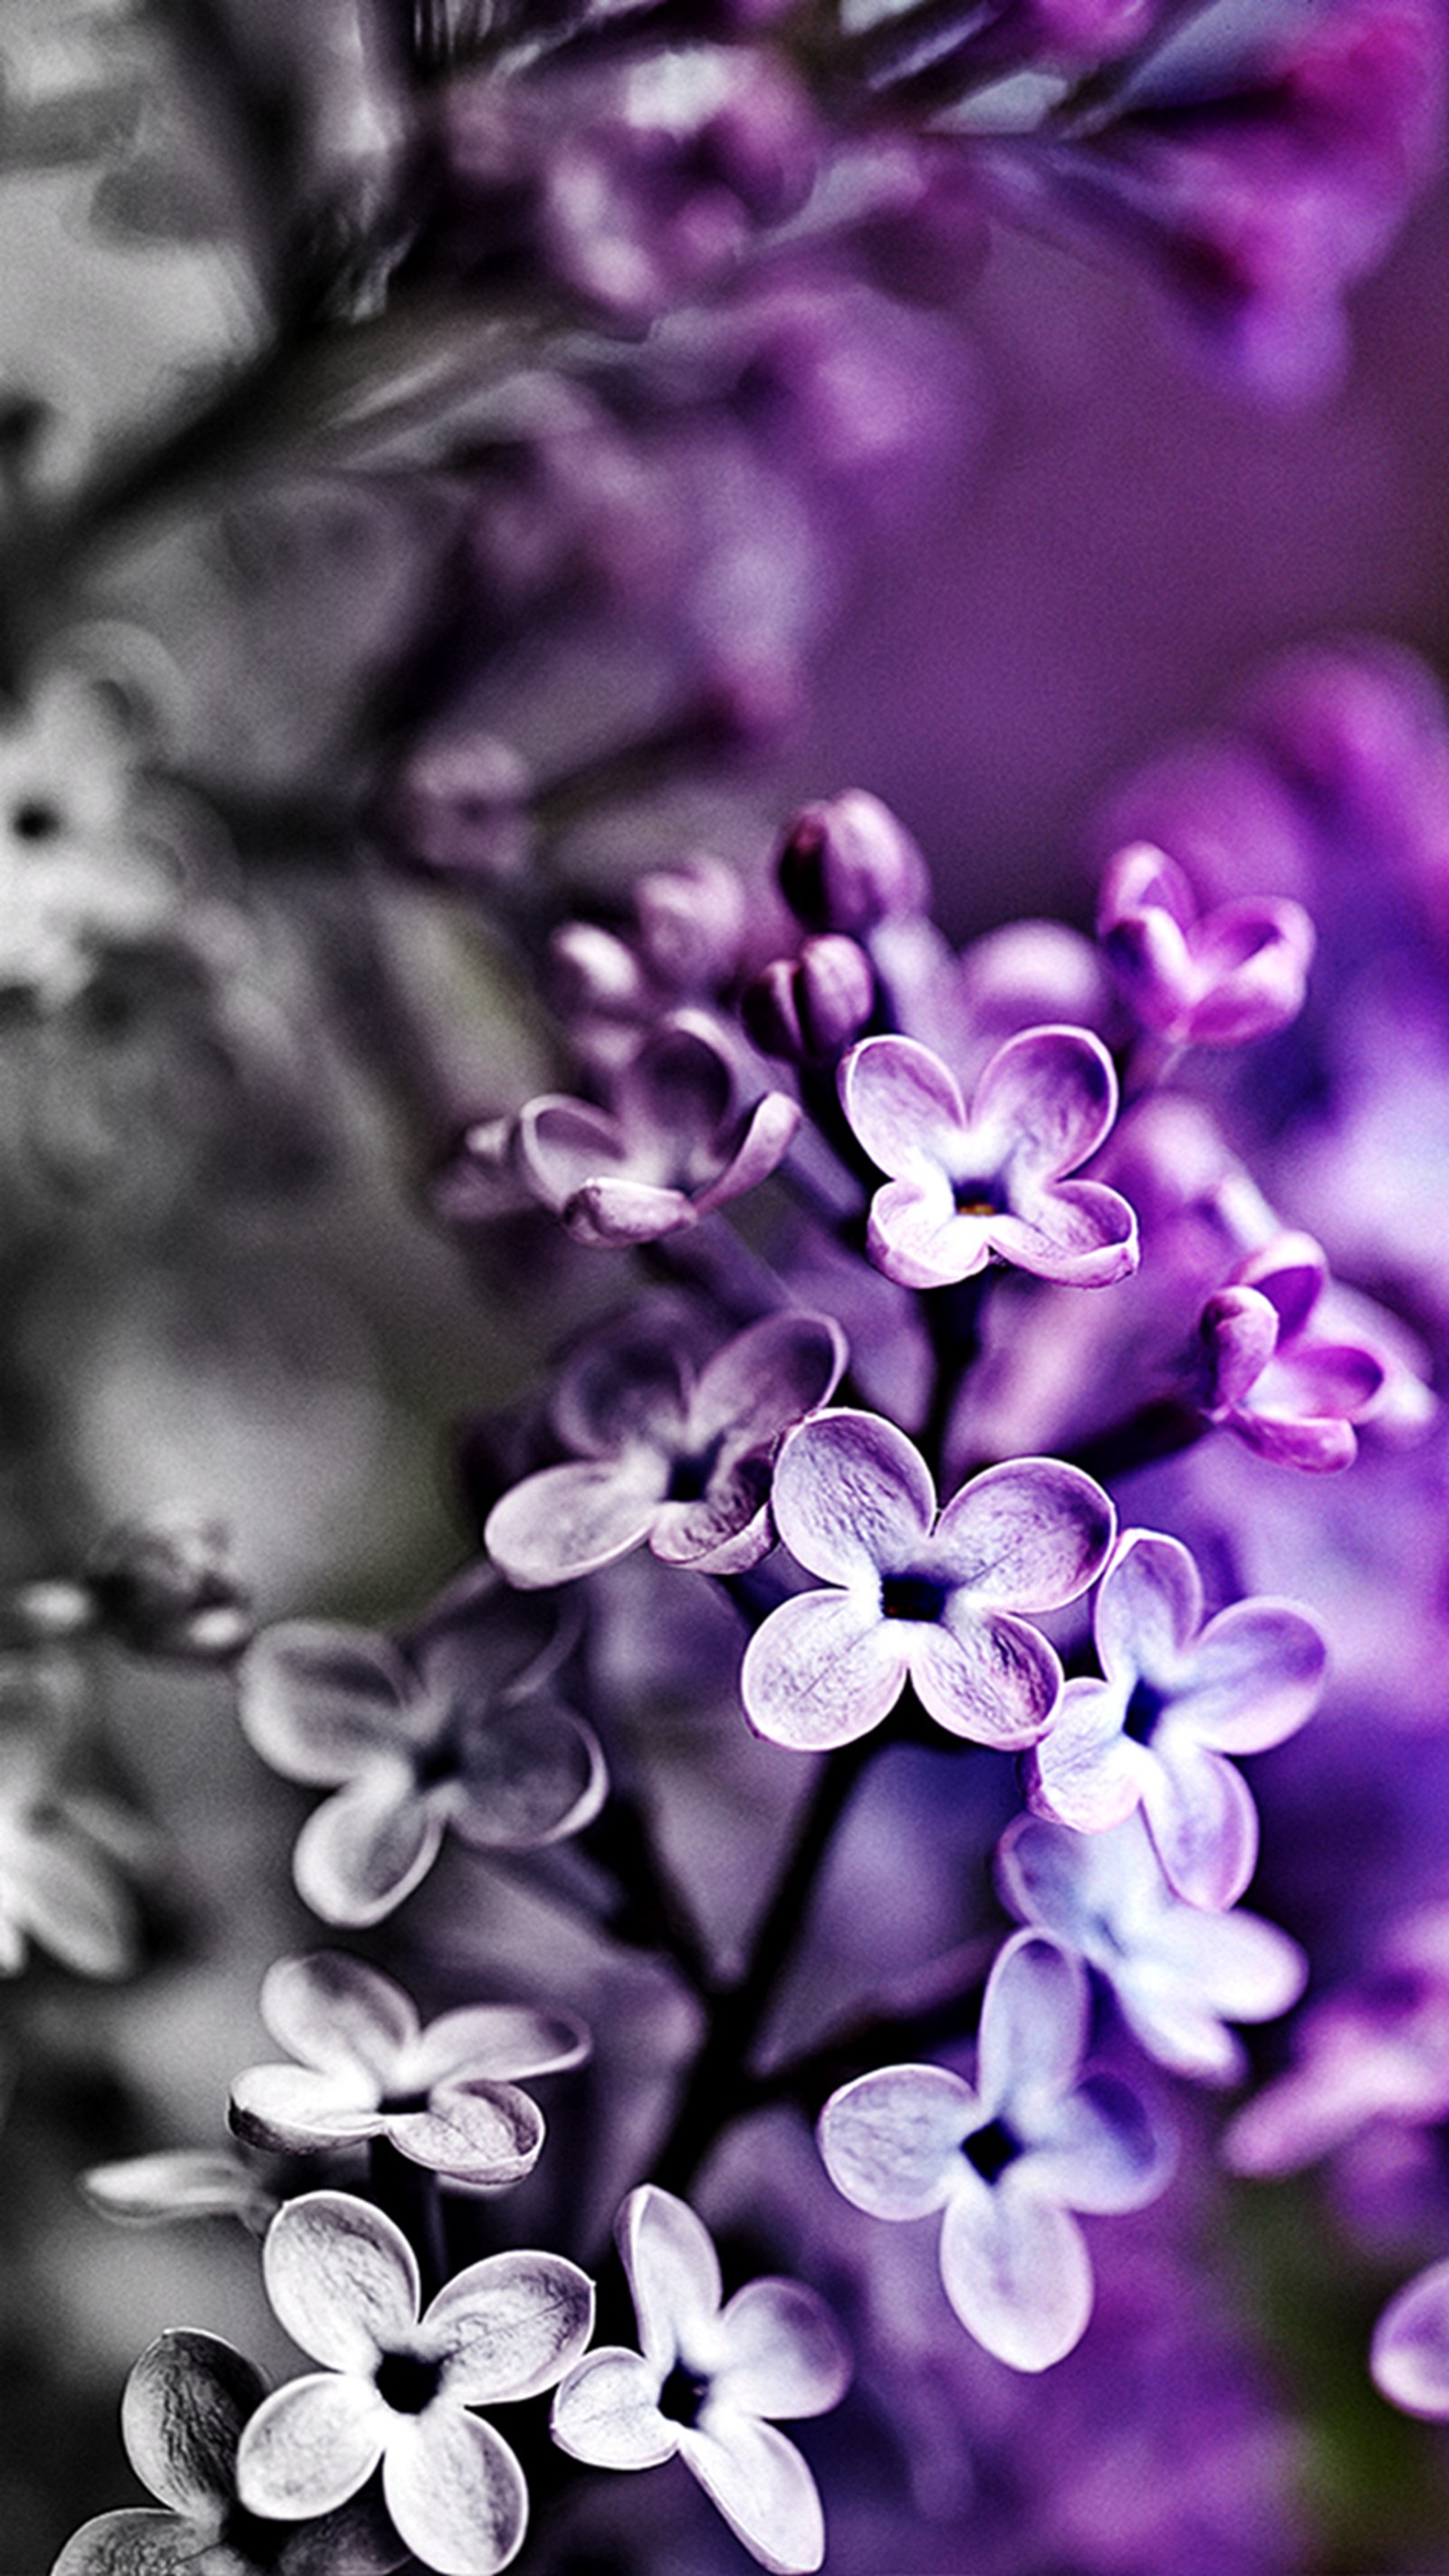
(1180, 1973)
(397, 2391)
(182, 2416)
(913, 1596)
(1007, 2160)
(678, 1457)
(413, 1745)
(1176, 1699)
(446, 2096)
(710, 2383)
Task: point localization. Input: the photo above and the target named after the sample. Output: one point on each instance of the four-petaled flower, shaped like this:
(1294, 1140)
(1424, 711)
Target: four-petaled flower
(397, 2390)
(1217, 978)
(446, 2096)
(1176, 1698)
(664, 1454)
(414, 1743)
(967, 1185)
(710, 2383)
(186, 2403)
(916, 1597)
(1291, 1391)
(1007, 2160)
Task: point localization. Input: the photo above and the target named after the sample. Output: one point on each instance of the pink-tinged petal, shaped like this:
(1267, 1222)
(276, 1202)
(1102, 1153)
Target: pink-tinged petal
(510, 2326)
(1247, 1969)
(988, 1678)
(781, 2352)
(1291, 1271)
(486, 2133)
(292, 2109)
(918, 1236)
(455, 2491)
(605, 1213)
(852, 1496)
(1315, 1447)
(1410, 2353)
(367, 1846)
(1149, 1608)
(1084, 1772)
(767, 1379)
(1051, 1094)
(570, 1520)
(1079, 1233)
(758, 2481)
(903, 1105)
(338, 2014)
(503, 2043)
(673, 2274)
(1308, 1381)
(1142, 878)
(342, 2279)
(1016, 2271)
(1254, 1677)
(138, 2541)
(1033, 2028)
(1104, 2151)
(560, 1143)
(891, 2140)
(824, 1669)
(766, 1138)
(182, 2415)
(607, 2412)
(1202, 1819)
(317, 1700)
(1030, 1535)
(528, 1773)
(310, 2446)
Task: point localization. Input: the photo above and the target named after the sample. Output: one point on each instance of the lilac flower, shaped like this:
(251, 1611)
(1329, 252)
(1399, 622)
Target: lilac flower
(969, 1185)
(916, 1597)
(676, 1457)
(710, 2383)
(446, 2096)
(1006, 2160)
(1179, 1973)
(1291, 1392)
(186, 2405)
(397, 2390)
(413, 1744)
(1176, 1698)
(1216, 978)
(1409, 2357)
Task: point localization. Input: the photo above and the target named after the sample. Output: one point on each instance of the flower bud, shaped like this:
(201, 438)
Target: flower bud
(593, 972)
(849, 864)
(165, 1586)
(461, 809)
(691, 921)
(811, 1007)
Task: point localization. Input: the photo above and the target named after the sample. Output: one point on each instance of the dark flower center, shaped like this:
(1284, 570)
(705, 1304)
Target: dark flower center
(1144, 1709)
(682, 2395)
(689, 1476)
(406, 2382)
(35, 819)
(977, 1197)
(912, 1596)
(990, 2150)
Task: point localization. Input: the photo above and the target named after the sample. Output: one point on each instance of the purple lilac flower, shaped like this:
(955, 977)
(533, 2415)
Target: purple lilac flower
(1216, 978)
(185, 2407)
(1176, 1698)
(398, 2390)
(1409, 2357)
(413, 1745)
(1289, 1390)
(913, 1596)
(1008, 2159)
(1180, 1974)
(678, 1457)
(967, 1185)
(446, 2096)
(710, 2383)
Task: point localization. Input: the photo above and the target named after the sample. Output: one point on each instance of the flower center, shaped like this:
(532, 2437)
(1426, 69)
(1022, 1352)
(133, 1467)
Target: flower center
(681, 2399)
(991, 2149)
(406, 2382)
(975, 1196)
(35, 819)
(1144, 1709)
(912, 1596)
(689, 1476)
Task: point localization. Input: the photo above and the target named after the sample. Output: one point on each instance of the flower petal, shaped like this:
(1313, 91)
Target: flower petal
(852, 1495)
(782, 2353)
(1033, 2026)
(338, 2014)
(367, 1846)
(1085, 1772)
(504, 2043)
(903, 1105)
(317, 1700)
(455, 2491)
(310, 2446)
(824, 1669)
(1201, 1816)
(767, 1378)
(1030, 1535)
(1149, 1608)
(1104, 2150)
(560, 1143)
(342, 2279)
(1053, 1093)
(570, 1520)
(137, 2541)
(1256, 1673)
(918, 1236)
(1016, 2271)
(607, 2412)
(1410, 2353)
(890, 2141)
(1079, 1233)
(990, 1679)
(292, 2109)
(758, 2481)
(510, 2326)
(608, 1212)
(484, 2133)
(182, 2415)
(528, 1772)
(673, 2274)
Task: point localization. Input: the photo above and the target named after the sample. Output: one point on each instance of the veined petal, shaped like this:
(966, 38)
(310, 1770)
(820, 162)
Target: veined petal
(505, 2043)
(1053, 1093)
(758, 2481)
(140, 2540)
(182, 2415)
(342, 2279)
(367, 1846)
(292, 2109)
(1016, 2271)
(606, 2411)
(890, 2141)
(318, 1700)
(918, 1236)
(823, 1669)
(455, 2491)
(673, 2274)
(852, 1495)
(1410, 2353)
(1202, 1818)
(767, 1378)
(1256, 1673)
(310, 2446)
(570, 1520)
(903, 1105)
(1029, 1535)
(781, 2352)
(480, 2133)
(338, 2014)
(510, 2326)
(528, 1772)
(1033, 2026)
(988, 1678)
(1080, 1233)
(1149, 1608)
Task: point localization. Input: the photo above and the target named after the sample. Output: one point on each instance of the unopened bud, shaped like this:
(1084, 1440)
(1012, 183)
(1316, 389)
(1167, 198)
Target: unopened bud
(461, 809)
(809, 1008)
(849, 864)
(165, 1586)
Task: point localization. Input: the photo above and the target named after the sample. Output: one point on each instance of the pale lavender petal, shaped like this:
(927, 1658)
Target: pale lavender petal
(338, 2014)
(292, 2109)
(903, 1105)
(1016, 2271)
(527, 1774)
(367, 1846)
(1079, 1233)
(1053, 1093)
(1205, 1970)
(570, 1520)
(510, 2326)
(505, 2043)
(1149, 1608)
(781, 2352)
(455, 2491)
(1033, 2026)
(1239, 1333)
(890, 2141)
(607, 1212)
(484, 2133)
(560, 1143)
(918, 1236)
(318, 1700)
(766, 1379)
(758, 2481)
(1410, 2353)
(342, 2279)
(852, 1495)
(768, 1133)
(1316, 1446)
(990, 1679)
(182, 2415)
(1201, 1816)
(310, 2446)
(1029, 1535)
(673, 2274)
(1085, 1772)
(1104, 2150)
(1256, 1673)
(824, 1669)
(607, 2412)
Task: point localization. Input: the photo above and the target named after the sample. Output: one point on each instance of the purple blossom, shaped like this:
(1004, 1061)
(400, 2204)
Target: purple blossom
(1216, 978)
(1180, 1974)
(186, 2405)
(678, 1457)
(914, 1596)
(1007, 2160)
(1273, 1375)
(1176, 1698)
(710, 2383)
(397, 2390)
(413, 1745)
(446, 2096)
(969, 1185)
